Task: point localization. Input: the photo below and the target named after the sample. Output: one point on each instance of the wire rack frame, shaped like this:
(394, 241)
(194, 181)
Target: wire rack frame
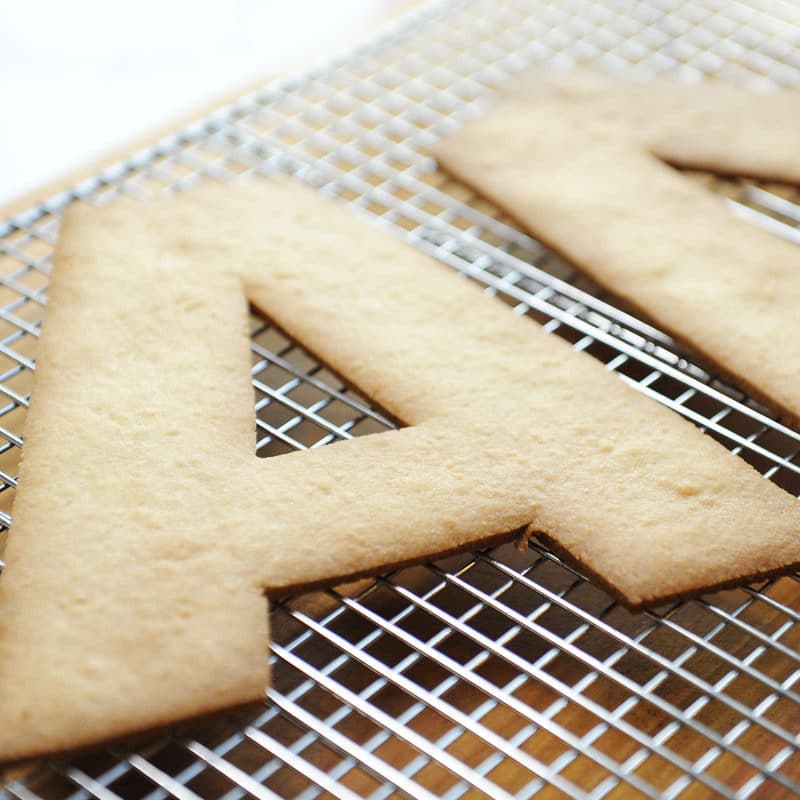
(498, 673)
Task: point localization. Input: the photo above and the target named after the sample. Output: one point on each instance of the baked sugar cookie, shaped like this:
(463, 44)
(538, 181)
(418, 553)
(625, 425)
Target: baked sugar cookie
(146, 531)
(577, 159)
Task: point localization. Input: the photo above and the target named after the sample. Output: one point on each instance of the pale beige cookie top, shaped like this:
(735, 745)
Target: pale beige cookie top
(146, 531)
(705, 125)
(572, 162)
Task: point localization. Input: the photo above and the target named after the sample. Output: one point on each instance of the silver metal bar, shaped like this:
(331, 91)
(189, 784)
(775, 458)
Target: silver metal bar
(350, 400)
(240, 777)
(709, 690)
(505, 699)
(167, 782)
(431, 701)
(773, 202)
(90, 785)
(419, 742)
(302, 411)
(591, 661)
(341, 742)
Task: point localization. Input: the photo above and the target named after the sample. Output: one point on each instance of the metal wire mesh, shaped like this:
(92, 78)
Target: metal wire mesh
(493, 674)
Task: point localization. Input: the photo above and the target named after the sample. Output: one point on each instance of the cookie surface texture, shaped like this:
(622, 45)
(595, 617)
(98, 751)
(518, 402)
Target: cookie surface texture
(146, 531)
(578, 161)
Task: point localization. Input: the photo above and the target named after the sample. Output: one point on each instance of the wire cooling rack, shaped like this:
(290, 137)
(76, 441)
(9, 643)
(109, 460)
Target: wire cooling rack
(494, 674)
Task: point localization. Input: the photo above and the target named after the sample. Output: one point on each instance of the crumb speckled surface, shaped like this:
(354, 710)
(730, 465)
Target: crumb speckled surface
(579, 167)
(146, 531)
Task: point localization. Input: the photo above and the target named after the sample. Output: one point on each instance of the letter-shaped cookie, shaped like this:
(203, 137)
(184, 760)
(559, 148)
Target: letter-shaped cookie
(576, 159)
(146, 531)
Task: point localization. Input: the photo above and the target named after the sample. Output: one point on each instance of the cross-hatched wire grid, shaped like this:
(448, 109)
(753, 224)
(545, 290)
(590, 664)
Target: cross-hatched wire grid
(497, 673)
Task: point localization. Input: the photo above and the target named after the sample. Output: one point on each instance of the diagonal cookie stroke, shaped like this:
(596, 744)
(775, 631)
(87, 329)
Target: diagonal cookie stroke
(146, 532)
(579, 158)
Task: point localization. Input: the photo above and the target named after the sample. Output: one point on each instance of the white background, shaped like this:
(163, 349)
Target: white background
(80, 78)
